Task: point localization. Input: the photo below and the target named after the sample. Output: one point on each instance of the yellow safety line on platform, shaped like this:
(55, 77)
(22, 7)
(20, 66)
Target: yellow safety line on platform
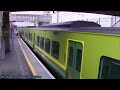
(28, 61)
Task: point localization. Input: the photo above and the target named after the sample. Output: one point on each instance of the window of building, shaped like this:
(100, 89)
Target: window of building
(47, 45)
(55, 49)
(109, 68)
(42, 43)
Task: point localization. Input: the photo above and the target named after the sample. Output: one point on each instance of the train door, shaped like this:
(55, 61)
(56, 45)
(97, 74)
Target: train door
(74, 60)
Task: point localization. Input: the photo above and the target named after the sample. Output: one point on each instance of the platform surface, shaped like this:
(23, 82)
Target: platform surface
(21, 63)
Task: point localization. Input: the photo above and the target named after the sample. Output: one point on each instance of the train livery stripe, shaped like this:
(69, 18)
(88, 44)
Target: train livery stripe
(51, 58)
(28, 61)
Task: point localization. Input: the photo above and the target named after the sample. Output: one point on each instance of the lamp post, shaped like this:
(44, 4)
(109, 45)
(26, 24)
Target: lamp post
(82, 16)
(57, 15)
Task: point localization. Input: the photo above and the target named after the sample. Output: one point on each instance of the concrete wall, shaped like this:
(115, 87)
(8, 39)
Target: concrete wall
(2, 49)
(6, 31)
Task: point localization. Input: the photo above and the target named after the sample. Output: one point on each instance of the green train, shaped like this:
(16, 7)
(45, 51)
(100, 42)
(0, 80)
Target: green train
(77, 49)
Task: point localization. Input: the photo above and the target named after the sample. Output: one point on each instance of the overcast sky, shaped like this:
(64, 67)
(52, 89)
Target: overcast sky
(67, 16)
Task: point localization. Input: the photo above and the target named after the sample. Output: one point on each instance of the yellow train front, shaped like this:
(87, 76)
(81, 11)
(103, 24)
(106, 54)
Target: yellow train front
(77, 49)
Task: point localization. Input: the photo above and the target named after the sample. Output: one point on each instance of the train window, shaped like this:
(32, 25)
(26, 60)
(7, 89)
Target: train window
(78, 59)
(109, 68)
(22, 33)
(71, 56)
(47, 45)
(30, 37)
(42, 43)
(25, 34)
(38, 41)
(55, 49)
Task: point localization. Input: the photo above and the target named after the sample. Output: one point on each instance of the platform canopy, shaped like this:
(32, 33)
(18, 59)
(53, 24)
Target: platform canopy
(114, 13)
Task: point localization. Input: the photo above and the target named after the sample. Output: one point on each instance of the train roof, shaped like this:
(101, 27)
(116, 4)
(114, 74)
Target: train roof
(72, 24)
(79, 26)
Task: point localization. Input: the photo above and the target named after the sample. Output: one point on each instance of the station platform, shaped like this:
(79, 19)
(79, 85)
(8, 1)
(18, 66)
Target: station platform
(21, 63)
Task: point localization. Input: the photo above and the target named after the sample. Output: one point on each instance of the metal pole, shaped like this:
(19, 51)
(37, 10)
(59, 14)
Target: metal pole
(57, 16)
(111, 21)
(99, 20)
(119, 24)
(115, 19)
(83, 17)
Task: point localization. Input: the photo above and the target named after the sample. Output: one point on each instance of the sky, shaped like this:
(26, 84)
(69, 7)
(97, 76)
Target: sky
(68, 16)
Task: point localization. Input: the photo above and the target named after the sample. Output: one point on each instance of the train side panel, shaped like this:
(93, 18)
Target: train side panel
(58, 63)
(95, 46)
